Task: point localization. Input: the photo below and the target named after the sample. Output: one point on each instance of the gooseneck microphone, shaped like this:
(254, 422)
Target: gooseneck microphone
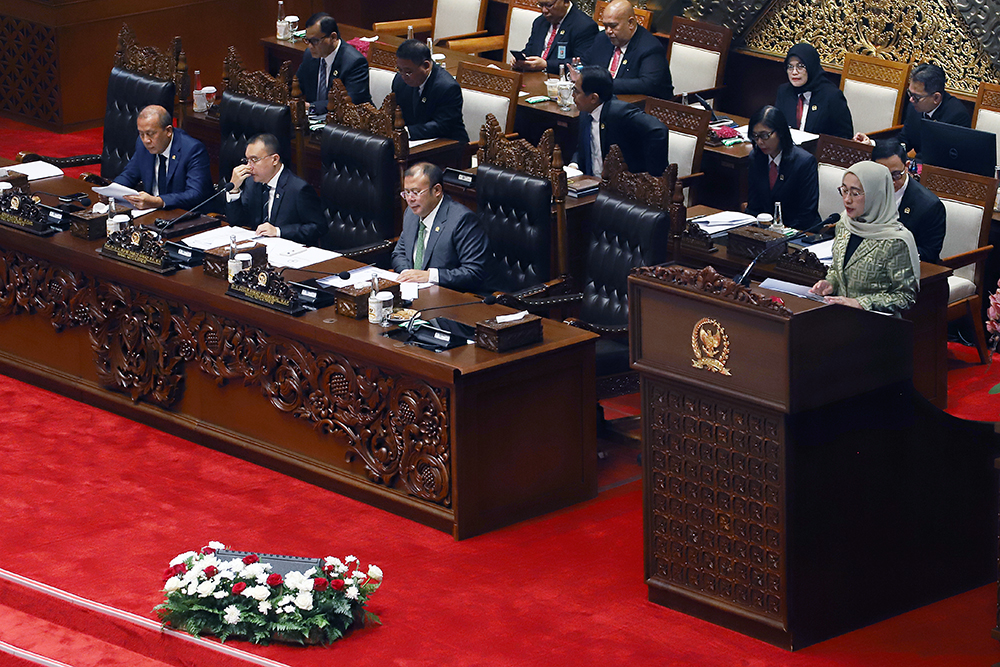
(489, 300)
(164, 225)
(744, 278)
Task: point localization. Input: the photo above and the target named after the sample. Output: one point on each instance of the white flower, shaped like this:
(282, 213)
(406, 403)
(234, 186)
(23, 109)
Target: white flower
(191, 590)
(264, 606)
(216, 545)
(232, 616)
(182, 557)
(286, 600)
(254, 571)
(298, 581)
(218, 595)
(206, 588)
(329, 561)
(310, 572)
(359, 575)
(288, 610)
(173, 584)
(304, 600)
(351, 592)
(258, 592)
(350, 559)
(375, 572)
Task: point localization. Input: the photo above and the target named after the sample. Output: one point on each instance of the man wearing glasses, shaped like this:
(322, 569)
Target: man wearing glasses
(560, 34)
(920, 210)
(428, 96)
(331, 58)
(442, 241)
(927, 99)
(274, 202)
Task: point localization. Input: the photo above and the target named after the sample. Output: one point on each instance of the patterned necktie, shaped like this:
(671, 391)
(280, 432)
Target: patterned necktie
(772, 174)
(265, 214)
(418, 250)
(798, 110)
(323, 89)
(161, 179)
(548, 43)
(615, 62)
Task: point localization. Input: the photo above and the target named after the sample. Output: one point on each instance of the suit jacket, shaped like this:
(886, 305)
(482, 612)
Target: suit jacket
(951, 111)
(879, 274)
(456, 246)
(576, 34)
(296, 210)
(349, 66)
(188, 180)
(828, 112)
(923, 214)
(797, 188)
(643, 70)
(435, 114)
(642, 138)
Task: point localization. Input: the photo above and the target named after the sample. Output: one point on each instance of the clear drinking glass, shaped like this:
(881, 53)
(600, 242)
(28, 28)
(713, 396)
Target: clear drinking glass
(565, 95)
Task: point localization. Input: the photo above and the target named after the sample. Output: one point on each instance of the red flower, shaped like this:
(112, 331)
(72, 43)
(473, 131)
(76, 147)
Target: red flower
(174, 570)
(274, 579)
(208, 551)
(211, 571)
(239, 587)
(251, 559)
(337, 584)
(320, 584)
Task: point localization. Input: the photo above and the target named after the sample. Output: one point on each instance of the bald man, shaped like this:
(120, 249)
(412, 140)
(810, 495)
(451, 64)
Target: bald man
(169, 168)
(635, 58)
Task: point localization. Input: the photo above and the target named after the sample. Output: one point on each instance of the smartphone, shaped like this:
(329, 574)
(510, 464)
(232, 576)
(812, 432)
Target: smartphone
(518, 55)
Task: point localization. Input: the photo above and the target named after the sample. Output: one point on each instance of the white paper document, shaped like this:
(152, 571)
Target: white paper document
(35, 170)
(116, 190)
(823, 251)
(419, 142)
(798, 136)
(297, 259)
(218, 237)
(571, 171)
(363, 276)
(723, 221)
(791, 288)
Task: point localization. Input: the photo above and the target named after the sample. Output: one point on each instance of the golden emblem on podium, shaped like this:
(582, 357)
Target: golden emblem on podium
(710, 345)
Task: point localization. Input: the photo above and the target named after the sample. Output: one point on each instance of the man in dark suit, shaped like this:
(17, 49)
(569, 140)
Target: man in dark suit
(429, 97)
(920, 210)
(560, 34)
(170, 167)
(331, 58)
(442, 241)
(636, 59)
(926, 98)
(605, 121)
(274, 202)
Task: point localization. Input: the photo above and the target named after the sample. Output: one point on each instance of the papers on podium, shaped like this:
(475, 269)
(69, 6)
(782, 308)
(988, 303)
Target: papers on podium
(36, 170)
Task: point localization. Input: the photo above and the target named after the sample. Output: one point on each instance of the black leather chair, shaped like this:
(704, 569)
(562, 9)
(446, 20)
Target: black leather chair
(360, 192)
(241, 117)
(516, 211)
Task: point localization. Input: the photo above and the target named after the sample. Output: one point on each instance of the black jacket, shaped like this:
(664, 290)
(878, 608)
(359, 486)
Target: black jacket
(643, 70)
(951, 111)
(642, 139)
(828, 112)
(435, 114)
(923, 214)
(576, 34)
(296, 211)
(797, 188)
(349, 66)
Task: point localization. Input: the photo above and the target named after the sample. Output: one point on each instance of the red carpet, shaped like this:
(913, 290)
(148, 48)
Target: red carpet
(17, 137)
(969, 384)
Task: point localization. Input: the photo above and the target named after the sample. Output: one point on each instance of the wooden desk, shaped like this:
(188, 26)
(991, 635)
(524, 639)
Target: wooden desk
(464, 441)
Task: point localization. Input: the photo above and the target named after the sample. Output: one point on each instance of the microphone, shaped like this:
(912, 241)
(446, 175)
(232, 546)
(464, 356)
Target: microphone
(830, 220)
(744, 278)
(708, 107)
(164, 225)
(489, 300)
(343, 275)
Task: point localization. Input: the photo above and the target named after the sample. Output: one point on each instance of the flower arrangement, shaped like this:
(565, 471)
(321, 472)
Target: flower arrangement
(242, 599)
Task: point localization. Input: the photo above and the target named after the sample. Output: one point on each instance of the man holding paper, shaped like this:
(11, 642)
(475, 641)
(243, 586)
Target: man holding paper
(169, 168)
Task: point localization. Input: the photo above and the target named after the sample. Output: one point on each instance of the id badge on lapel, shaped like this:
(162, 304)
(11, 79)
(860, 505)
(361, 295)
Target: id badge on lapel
(560, 52)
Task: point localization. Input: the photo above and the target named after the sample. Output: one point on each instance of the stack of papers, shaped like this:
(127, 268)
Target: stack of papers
(823, 251)
(723, 221)
(285, 253)
(36, 170)
(363, 276)
(790, 288)
(798, 136)
(218, 237)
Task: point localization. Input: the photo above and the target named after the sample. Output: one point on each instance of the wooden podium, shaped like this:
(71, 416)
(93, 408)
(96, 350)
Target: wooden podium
(796, 487)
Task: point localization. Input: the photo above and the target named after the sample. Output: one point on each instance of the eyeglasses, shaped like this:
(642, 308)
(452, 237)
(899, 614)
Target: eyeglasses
(313, 41)
(761, 136)
(896, 175)
(916, 98)
(795, 67)
(546, 5)
(412, 194)
(253, 159)
(853, 192)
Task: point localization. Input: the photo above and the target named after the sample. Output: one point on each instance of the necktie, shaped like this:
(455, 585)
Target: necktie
(161, 178)
(323, 89)
(772, 174)
(418, 250)
(265, 214)
(798, 111)
(548, 43)
(615, 62)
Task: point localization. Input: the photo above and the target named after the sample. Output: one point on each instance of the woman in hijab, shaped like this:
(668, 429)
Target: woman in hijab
(809, 100)
(875, 263)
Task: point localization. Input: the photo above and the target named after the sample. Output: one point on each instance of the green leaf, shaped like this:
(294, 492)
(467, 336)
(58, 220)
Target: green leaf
(995, 389)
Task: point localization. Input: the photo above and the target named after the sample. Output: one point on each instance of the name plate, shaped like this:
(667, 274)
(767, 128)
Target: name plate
(138, 247)
(263, 286)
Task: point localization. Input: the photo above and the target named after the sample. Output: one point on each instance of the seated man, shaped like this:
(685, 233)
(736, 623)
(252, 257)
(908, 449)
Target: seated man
(275, 202)
(636, 59)
(926, 98)
(560, 34)
(170, 167)
(429, 97)
(331, 58)
(442, 241)
(605, 121)
(920, 210)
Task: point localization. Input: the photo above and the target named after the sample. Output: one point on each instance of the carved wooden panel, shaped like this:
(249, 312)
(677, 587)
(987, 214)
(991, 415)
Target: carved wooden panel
(841, 152)
(705, 36)
(365, 117)
(515, 154)
(257, 84)
(397, 425)
(958, 185)
(874, 72)
(991, 99)
(677, 116)
(29, 70)
(656, 191)
(710, 281)
(382, 56)
(499, 82)
(716, 507)
(146, 60)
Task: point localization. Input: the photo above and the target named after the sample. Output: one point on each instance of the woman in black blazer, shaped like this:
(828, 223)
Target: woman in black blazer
(824, 106)
(796, 179)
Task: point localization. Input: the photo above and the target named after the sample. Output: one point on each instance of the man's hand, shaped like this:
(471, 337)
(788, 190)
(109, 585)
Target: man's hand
(863, 138)
(414, 276)
(267, 229)
(144, 200)
(530, 64)
(240, 173)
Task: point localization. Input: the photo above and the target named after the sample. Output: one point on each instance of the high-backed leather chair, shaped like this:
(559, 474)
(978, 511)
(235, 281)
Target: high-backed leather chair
(252, 103)
(362, 156)
(141, 76)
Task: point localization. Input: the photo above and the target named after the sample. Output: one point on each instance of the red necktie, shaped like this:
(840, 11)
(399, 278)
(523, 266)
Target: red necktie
(615, 61)
(772, 174)
(548, 44)
(798, 111)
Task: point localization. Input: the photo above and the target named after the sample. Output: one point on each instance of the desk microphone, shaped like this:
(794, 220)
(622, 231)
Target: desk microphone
(708, 107)
(164, 225)
(830, 220)
(343, 275)
(489, 300)
(744, 278)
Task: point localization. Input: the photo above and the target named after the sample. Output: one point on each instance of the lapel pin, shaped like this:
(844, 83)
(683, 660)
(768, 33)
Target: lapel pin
(624, 62)
(562, 32)
(781, 177)
(814, 107)
(602, 126)
(423, 100)
(336, 73)
(437, 229)
(906, 210)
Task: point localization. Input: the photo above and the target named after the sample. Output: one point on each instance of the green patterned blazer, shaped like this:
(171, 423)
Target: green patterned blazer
(879, 274)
